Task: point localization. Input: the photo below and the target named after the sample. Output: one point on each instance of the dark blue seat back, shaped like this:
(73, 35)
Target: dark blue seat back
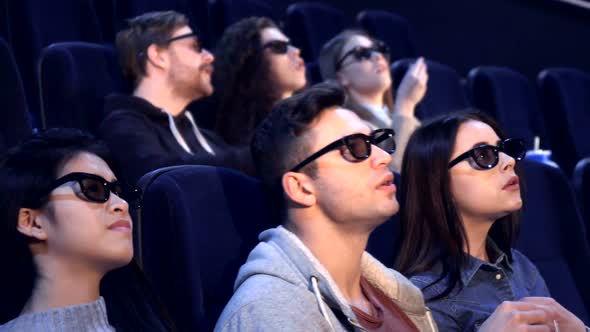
(445, 92)
(35, 24)
(565, 102)
(198, 225)
(510, 98)
(581, 181)
(4, 27)
(226, 12)
(15, 124)
(552, 236)
(75, 77)
(310, 25)
(392, 29)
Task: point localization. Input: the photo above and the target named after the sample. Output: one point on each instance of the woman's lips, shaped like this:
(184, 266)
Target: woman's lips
(512, 184)
(121, 226)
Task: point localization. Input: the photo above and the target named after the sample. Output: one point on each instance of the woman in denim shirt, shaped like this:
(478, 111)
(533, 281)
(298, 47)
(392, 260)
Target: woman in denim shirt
(459, 221)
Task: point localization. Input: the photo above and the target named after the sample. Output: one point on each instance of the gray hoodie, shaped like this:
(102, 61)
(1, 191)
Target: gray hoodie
(283, 287)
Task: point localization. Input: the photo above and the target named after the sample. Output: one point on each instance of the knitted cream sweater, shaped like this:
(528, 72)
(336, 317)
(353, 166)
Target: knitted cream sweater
(89, 317)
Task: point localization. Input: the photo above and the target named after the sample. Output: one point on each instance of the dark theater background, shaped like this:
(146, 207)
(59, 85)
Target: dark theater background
(524, 62)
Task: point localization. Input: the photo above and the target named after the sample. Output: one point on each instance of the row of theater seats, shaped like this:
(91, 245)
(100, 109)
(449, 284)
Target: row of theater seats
(30, 26)
(74, 77)
(191, 243)
(505, 94)
(192, 250)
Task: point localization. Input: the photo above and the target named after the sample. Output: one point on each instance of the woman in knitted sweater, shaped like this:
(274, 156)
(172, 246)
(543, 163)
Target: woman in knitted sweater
(65, 224)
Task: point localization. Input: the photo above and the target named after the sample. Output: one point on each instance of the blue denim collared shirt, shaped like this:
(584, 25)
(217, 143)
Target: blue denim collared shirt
(486, 286)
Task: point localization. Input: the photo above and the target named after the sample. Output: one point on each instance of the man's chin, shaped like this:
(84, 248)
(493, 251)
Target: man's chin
(207, 91)
(202, 92)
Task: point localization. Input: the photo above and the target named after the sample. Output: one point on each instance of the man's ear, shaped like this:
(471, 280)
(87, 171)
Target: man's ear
(299, 188)
(30, 224)
(156, 56)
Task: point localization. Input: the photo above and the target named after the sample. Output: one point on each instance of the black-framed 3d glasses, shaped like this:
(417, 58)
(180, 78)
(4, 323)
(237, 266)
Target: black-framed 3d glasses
(184, 36)
(359, 146)
(487, 156)
(360, 53)
(278, 46)
(198, 46)
(96, 189)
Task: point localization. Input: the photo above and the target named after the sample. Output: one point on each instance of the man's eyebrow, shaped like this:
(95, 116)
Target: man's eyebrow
(480, 144)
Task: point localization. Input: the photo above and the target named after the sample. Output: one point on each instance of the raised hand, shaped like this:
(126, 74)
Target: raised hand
(412, 88)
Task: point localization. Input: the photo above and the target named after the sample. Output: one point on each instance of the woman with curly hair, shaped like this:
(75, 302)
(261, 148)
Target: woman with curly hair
(255, 67)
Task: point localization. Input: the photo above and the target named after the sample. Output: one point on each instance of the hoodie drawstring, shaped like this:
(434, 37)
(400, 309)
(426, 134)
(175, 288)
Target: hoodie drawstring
(196, 131)
(318, 297)
(198, 134)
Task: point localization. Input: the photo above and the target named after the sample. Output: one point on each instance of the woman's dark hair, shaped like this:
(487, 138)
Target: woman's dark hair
(244, 88)
(431, 229)
(331, 53)
(26, 173)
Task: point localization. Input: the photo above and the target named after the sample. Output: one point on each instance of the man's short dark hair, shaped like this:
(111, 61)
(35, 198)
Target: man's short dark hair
(144, 30)
(279, 142)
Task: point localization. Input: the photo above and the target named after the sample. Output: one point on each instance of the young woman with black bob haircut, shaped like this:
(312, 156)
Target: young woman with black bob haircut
(459, 220)
(66, 241)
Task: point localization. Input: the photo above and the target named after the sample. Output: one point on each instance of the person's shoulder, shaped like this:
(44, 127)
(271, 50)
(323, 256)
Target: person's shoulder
(270, 289)
(127, 119)
(525, 269)
(10, 326)
(264, 302)
(429, 282)
(425, 278)
(117, 104)
(520, 260)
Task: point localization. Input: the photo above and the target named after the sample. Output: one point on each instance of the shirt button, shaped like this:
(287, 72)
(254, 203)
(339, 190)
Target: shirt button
(498, 276)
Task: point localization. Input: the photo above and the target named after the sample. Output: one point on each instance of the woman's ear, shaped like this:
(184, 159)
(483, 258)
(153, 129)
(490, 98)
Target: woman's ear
(299, 188)
(29, 224)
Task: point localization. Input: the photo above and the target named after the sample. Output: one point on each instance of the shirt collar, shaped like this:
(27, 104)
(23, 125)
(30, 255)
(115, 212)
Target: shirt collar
(474, 264)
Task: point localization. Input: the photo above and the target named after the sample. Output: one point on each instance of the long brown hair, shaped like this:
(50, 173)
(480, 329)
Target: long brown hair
(244, 89)
(431, 229)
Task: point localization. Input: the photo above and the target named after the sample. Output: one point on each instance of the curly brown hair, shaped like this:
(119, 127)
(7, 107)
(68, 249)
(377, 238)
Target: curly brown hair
(244, 88)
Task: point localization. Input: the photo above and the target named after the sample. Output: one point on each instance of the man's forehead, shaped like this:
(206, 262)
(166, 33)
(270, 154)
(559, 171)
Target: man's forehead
(186, 31)
(182, 30)
(337, 122)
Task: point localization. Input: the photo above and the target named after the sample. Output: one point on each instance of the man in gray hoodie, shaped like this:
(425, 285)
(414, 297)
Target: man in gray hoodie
(312, 273)
(328, 172)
